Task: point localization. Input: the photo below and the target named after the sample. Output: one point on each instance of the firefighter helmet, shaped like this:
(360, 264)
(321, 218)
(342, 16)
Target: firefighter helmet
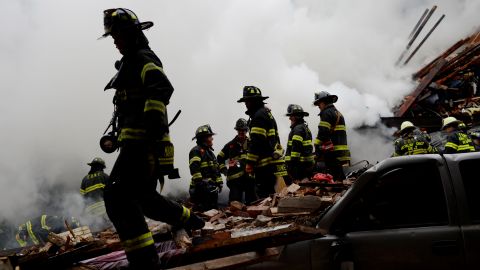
(449, 121)
(324, 96)
(241, 124)
(121, 18)
(97, 161)
(204, 130)
(251, 92)
(405, 126)
(475, 135)
(296, 110)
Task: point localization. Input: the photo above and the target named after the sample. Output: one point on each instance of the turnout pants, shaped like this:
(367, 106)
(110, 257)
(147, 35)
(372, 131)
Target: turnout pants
(240, 186)
(265, 180)
(130, 195)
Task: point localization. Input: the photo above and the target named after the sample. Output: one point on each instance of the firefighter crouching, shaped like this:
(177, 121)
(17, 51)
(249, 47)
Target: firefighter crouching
(265, 154)
(206, 181)
(331, 143)
(412, 141)
(299, 156)
(234, 153)
(142, 93)
(35, 231)
(458, 141)
(91, 189)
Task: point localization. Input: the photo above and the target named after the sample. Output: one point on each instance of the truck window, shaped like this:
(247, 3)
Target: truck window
(471, 181)
(410, 196)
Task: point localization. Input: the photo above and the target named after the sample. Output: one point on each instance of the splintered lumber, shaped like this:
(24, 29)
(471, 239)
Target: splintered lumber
(254, 211)
(243, 259)
(425, 81)
(236, 206)
(307, 203)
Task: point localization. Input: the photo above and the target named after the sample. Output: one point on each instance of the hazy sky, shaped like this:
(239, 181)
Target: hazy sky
(54, 110)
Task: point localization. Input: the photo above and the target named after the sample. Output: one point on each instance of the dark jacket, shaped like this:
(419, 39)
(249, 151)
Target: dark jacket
(299, 154)
(412, 144)
(204, 165)
(91, 189)
(332, 128)
(235, 153)
(36, 230)
(459, 142)
(264, 138)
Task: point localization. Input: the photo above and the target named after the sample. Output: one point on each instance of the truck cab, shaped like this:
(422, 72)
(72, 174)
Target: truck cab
(413, 212)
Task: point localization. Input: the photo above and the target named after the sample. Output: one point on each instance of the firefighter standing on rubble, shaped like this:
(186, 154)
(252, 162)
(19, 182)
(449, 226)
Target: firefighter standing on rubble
(265, 153)
(35, 231)
(206, 181)
(91, 189)
(331, 142)
(457, 141)
(235, 154)
(299, 156)
(412, 142)
(146, 154)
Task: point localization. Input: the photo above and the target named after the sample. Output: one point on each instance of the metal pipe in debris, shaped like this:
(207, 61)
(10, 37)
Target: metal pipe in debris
(424, 39)
(418, 24)
(420, 28)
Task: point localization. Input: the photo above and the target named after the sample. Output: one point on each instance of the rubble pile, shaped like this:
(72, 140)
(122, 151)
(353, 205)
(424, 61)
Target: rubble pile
(447, 86)
(286, 217)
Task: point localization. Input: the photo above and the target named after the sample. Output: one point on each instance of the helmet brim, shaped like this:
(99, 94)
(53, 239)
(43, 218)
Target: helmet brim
(203, 135)
(456, 122)
(298, 114)
(142, 26)
(243, 99)
(333, 99)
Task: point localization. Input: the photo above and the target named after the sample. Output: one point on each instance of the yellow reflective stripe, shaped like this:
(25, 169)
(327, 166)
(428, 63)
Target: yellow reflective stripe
(272, 132)
(259, 131)
(138, 242)
(43, 222)
(282, 173)
(306, 159)
(451, 145)
(222, 166)
(343, 158)
(307, 142)
(295, 154)
(252, 157)
(96, 209)
(340, 147)
(185, 214)
(82, 191)
(341, 127)
(20, 241)
(132, 134)
(288, 158)
(325, 124)
(148, 67)
(165, 161)
(317, 142)
(466, 147)
(289, 143)
(94, 187)
(206, 164)
(221, 154)
(264, 162)
(219, 180)
(195, 159)
(31, 234)
(297, 138)
(197, 176)
(154, 105)
(235, 176)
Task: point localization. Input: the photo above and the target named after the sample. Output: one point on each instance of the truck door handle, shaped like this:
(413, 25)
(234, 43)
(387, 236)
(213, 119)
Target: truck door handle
(445, 247)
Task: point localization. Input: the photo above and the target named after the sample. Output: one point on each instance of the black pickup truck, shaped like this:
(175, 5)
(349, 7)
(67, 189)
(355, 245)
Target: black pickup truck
(415, 212)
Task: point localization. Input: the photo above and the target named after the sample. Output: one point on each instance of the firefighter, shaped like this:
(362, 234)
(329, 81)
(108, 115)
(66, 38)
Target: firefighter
(457, 140)
(299, 157)
(142, 93)
(235, 153)
(475, 139)
(35, 231)
(412, 142)
(265, 153)
(206, 181)
(331, 143)
(92, 191)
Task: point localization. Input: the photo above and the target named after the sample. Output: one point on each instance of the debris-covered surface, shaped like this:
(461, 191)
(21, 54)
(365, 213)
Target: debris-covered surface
(234, 236)
(447, 86)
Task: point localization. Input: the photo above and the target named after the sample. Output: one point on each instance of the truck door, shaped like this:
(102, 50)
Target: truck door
(401, 221)
(465, 170)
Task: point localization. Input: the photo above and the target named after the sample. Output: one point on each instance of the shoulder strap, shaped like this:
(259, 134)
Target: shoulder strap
(332, 129)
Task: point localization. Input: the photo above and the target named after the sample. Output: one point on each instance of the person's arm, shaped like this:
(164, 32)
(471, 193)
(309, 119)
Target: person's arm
(222, 157)
(451, 146)
(327, 121)
(194, 165)
(258, 140)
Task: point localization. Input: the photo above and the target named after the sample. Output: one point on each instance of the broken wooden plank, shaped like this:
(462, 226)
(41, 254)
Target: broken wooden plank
(307, 203)
(235, 260)
(425, 81)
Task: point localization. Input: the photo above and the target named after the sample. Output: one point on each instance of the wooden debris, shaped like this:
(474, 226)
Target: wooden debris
(211, 213)
(299, 204)
(181, 239)
(236, 206)
(261, 220)
(254, 211)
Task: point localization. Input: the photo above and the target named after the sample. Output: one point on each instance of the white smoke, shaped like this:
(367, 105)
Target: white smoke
(54, 109)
